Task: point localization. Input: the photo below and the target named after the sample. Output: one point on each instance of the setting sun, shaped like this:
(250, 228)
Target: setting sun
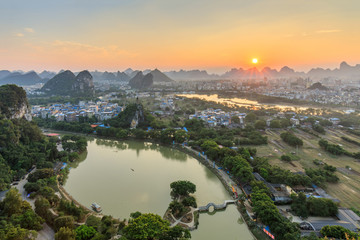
(254, 60)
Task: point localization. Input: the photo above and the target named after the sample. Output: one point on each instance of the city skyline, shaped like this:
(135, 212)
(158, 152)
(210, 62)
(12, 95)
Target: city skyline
(173, 35)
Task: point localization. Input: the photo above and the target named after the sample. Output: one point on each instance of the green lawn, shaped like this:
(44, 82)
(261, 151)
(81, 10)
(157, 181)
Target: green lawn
(348, 188)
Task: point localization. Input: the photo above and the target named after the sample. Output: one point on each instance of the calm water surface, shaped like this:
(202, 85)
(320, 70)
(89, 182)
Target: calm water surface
(242, 102)
(124, 177)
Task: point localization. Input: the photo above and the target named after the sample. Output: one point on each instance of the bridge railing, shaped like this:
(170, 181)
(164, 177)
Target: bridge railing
(216, 206)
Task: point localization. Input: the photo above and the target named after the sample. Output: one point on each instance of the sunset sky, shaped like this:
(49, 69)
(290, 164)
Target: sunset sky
(177, 34)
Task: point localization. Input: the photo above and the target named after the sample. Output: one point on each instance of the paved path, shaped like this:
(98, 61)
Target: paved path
(46, 233)
(191, 224)
(223, 175)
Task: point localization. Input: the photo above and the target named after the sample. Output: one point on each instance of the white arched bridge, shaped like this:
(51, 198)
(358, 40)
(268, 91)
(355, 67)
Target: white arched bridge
(215, 206)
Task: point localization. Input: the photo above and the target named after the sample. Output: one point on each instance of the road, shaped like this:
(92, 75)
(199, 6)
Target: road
(225, 177)
(46, 233)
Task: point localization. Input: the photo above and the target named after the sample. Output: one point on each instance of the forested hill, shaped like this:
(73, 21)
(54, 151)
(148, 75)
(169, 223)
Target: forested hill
(22, 144)
(13, 101)
(67, 84)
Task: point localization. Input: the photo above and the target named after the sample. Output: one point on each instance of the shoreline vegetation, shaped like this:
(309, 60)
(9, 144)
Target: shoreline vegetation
(256, 232)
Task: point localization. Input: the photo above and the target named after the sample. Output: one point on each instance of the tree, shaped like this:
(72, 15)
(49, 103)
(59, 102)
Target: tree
(318, 128)
(42, 206)
(299, 205)
(146, 226)
(93, 221)
(29, 220)
(47, 192)
(177, 208)
(312, 236)
(135, 214)
(12, 204)
(250, 118)
(5, 174)
(167, 135)
(291, 139)
(321, 207)
(260, 124)
(65, 234)
(189, 201)
(41, 174)
(325, 123)
(194, 124)
(275, 124)
(266, 210)
(182, 188)
(64, 221)
(181, 136)
(285, 158)
(176, 233)
(139, 133)
(338, 232)
(122, 133)
(84, 232)
(235, 119)
(258, 186)
(15, 233)
(285, 122)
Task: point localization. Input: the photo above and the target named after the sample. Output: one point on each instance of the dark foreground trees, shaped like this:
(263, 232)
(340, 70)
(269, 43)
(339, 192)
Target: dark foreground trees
(152, 226)
(18, 220)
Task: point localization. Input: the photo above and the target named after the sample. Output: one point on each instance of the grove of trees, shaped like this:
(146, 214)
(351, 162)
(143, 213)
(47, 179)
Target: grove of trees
(291, 139)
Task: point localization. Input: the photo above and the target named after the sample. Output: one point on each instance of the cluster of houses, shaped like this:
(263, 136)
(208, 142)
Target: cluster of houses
(343, 96)
(218, 117)
(281, 195)
(70, 112)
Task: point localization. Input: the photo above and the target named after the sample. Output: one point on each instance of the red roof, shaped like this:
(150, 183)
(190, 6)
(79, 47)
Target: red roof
(52, 134)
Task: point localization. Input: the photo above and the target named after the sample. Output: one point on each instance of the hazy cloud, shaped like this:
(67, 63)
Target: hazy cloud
(19, 34)
(109, 50)
(328, 31)
(29, 30)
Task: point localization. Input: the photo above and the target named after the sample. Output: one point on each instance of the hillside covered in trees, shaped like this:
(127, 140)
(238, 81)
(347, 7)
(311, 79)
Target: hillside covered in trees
(12, 100)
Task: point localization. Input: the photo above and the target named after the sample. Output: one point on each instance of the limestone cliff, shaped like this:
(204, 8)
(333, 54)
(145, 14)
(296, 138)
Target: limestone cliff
(139, 81)
(66, 83)
(139, 116)
(13, 102)
(83, 83)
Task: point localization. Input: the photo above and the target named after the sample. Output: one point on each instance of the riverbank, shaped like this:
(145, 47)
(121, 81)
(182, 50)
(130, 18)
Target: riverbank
(228, 183)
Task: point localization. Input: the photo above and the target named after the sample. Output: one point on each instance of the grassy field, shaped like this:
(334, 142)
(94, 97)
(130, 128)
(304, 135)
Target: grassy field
(348, 188)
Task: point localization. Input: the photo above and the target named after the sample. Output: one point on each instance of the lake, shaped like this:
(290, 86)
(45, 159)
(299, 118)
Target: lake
(129, 176)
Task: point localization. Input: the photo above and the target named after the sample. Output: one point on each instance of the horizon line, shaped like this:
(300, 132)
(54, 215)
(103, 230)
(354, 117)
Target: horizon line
(208, 70)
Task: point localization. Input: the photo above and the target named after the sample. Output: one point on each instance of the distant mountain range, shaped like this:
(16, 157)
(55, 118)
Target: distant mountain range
(30, 78)
(117, 76)
(344, 72)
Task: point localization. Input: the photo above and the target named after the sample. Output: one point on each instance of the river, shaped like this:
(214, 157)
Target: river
(242, 102)
(124, 177)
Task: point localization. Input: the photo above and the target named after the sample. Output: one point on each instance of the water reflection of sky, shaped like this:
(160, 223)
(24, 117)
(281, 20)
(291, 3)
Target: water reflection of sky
(242, 102)
(128, 176)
